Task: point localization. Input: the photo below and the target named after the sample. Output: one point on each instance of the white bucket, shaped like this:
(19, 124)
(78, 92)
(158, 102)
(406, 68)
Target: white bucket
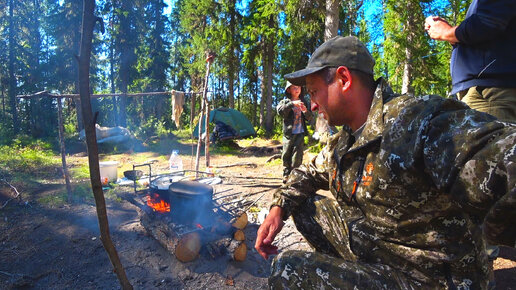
(109, 170)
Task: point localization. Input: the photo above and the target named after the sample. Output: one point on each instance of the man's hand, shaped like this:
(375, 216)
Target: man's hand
(270, 227)
(439, 29)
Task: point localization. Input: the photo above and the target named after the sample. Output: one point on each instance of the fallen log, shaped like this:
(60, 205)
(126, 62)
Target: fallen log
(247, 164)
(273, 157)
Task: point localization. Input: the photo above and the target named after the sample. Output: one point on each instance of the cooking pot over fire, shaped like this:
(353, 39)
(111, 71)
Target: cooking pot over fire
(189, 200)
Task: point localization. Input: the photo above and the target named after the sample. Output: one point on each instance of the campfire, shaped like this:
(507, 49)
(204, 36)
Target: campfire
(181, 217)
(157, 204)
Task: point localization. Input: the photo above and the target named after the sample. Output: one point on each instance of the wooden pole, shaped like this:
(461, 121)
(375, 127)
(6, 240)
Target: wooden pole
(199, 139)
(50, 95)
(63, 149)
(204, 108)
(88, 21)
(209, 60)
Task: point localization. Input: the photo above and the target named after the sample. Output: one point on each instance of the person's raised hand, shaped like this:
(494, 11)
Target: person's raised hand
(270, 227)
(439, 29)
(300, 105)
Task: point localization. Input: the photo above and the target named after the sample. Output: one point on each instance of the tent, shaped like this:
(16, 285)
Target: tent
(233, 118)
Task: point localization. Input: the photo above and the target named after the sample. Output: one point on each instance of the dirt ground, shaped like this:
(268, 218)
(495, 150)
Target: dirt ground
(59, 247)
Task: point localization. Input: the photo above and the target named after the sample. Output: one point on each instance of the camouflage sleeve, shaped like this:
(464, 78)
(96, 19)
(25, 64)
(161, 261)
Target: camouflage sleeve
(304, 182)
(473, 156)
(284, 106)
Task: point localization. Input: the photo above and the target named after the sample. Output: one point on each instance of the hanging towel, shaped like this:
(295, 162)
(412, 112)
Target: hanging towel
(178, 100)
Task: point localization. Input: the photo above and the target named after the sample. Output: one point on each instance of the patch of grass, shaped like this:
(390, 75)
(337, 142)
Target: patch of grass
(36, 159)
(54, 200)
(82, 192)
(226, 147)
(110, 193)
(81, 172)
(274, 162)
(182, 133)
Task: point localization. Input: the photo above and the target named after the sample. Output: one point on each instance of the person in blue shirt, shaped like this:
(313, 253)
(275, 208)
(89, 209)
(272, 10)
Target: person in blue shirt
(483, 62)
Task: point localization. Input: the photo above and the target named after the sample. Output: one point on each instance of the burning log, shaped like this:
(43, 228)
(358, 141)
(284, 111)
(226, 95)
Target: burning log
(185, 246)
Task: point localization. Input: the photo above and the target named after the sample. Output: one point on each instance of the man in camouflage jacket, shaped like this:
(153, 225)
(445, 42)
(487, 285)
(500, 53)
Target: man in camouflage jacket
(413, 178)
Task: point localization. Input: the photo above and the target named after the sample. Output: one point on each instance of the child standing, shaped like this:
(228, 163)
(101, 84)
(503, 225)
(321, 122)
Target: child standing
(295, 114)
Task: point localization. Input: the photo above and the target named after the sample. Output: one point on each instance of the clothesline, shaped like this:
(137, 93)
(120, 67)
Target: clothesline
(50, 95)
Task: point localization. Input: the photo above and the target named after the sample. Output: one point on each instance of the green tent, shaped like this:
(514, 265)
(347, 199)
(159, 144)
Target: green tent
(232, 118)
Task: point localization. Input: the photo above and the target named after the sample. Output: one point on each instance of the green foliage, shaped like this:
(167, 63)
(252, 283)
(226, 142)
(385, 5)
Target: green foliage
(261, 133)
(226, 147)
(146, 50)
(81, 172)
(274, 162)
(35, 158)
(53, 200)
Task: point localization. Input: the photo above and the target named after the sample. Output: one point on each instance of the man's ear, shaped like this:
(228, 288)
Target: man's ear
(344, 75)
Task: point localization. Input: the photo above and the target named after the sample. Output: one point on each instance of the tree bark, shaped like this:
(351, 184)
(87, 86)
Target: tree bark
(269, 52)
(12, 78)
(232, 64)
(406, 87)
(331, 22)
(88, 21)
(63, 150)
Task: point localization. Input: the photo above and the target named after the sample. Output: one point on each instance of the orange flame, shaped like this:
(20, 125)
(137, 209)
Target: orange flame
(157, 204)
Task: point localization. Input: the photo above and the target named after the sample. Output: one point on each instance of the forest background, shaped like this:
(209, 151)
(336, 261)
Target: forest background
(157, 45)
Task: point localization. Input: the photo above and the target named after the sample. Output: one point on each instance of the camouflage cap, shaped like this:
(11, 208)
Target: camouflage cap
(339, 51)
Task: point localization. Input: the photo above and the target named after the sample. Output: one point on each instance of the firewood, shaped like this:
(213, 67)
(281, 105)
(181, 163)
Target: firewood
(240, 222)
(217, 248)
(238, 250)
(188, 247)
(239, 235)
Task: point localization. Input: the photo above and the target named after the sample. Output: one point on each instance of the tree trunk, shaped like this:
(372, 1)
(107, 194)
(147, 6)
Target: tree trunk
(88, 21)
(125, 62)
(255, 101)
(331, 22)
(63, 150)
(112, 77)
(12, 78)
(268, 101)
(407, 73)
(406, 87)
(231, 64)
(263, 96)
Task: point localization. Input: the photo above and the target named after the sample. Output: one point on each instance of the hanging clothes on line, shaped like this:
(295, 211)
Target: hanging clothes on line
(177, 101)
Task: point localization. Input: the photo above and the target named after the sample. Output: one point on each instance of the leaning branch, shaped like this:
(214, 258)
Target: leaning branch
(15, 190)
(88, 21)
